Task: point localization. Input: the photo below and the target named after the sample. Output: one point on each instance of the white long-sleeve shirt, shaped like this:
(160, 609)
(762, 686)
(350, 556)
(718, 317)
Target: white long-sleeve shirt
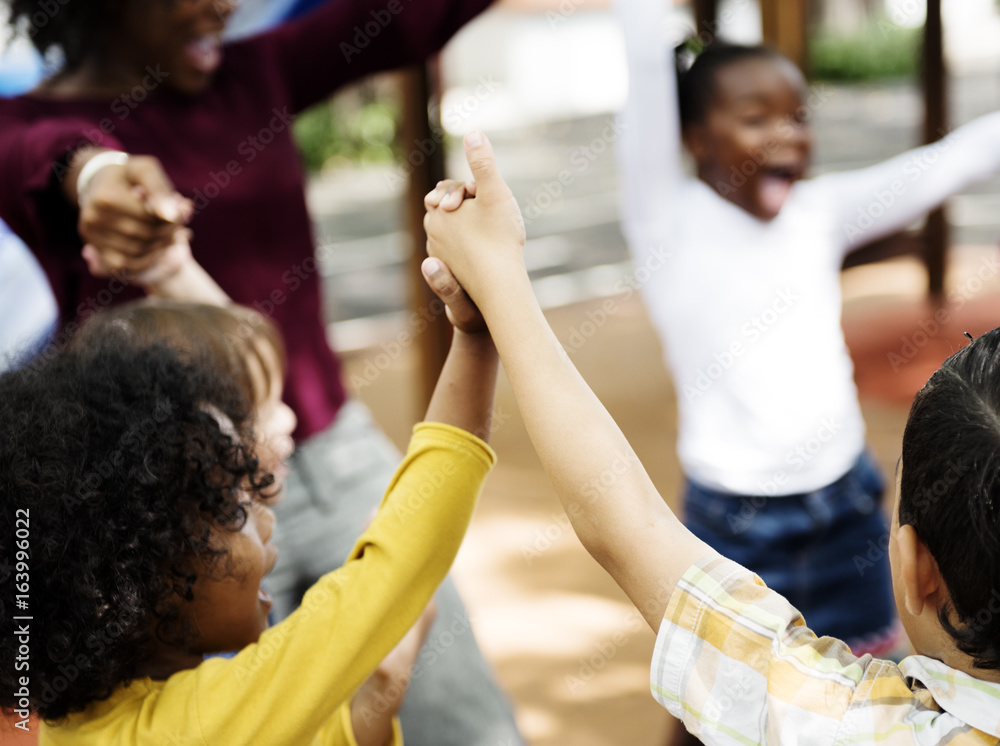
(749, 310)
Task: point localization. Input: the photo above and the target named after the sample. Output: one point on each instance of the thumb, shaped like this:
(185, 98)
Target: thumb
(161, 197)
(479, 154)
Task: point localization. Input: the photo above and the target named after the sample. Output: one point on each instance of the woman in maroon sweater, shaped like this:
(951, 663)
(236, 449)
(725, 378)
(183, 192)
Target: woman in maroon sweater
(206, 127)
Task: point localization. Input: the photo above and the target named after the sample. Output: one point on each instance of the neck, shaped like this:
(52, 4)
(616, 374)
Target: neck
(953, 658)
(934, 642)
(94, 78)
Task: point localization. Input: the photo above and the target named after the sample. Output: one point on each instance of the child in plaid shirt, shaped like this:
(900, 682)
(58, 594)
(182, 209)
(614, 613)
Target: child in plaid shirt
(733, 659)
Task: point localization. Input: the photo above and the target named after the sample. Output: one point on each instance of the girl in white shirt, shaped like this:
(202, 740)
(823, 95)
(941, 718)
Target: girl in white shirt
(747, 303)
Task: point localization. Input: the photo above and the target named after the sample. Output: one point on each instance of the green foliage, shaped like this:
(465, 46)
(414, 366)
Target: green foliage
(882, 50)
(344, 128)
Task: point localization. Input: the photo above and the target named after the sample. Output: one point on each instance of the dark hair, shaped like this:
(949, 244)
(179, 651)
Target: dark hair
(950, 491)
(696, 82)
(114, 471)
(75, 27)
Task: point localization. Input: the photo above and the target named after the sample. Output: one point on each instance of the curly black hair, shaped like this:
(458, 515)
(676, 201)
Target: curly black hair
(74, 27)
(950, 491)
(114, 472)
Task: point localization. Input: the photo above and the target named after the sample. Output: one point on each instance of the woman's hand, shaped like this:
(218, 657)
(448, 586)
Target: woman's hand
(130, 213)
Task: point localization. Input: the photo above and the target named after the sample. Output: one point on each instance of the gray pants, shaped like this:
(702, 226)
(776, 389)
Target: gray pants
(336, 482)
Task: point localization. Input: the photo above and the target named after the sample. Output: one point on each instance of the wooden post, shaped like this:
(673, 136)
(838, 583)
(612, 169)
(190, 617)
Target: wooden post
(935, 126)
(784, 25)
(428, 168)
(706, 12)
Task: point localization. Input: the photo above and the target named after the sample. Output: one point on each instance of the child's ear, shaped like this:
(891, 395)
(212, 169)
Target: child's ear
(922, 581)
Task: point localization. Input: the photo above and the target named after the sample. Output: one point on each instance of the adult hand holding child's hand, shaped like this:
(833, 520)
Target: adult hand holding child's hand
(130, 213)
(476, 239)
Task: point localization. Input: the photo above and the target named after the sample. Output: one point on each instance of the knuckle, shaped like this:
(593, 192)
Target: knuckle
(102, 201)
(143, 162)
(478, 163)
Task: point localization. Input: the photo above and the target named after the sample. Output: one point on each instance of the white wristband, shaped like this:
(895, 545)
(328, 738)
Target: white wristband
(95, 164)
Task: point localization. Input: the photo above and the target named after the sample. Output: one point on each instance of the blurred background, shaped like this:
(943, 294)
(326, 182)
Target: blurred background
(544, 79)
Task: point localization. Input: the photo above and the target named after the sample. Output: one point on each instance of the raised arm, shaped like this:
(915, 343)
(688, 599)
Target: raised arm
(649, 149)
(614, 507)
(344, 40)
(466, 387)
(876, 201)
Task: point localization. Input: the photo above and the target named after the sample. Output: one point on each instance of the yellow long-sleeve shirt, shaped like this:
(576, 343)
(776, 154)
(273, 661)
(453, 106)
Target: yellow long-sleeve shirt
(293, 686)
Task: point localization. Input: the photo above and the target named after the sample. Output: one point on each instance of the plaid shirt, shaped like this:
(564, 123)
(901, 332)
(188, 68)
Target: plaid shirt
(735, 661)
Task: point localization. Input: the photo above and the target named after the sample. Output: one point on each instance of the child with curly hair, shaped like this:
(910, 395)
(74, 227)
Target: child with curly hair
(142, 478)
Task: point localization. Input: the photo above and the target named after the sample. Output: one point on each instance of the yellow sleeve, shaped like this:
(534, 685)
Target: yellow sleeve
(338, 730)
(284, 688)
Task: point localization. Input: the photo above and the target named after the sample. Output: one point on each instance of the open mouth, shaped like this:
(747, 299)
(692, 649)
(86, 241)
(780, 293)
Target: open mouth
(774, 186)
(204, 53)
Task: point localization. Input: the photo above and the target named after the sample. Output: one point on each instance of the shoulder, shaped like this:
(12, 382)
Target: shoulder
(741, 641)
(110, 715)
(20, 107)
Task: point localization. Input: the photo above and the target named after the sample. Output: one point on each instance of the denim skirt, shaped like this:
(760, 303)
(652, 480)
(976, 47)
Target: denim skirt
(825, 551)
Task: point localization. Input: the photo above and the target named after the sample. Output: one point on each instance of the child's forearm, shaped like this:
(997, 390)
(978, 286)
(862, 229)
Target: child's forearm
(613, 505)
(466, 387)
(191, 284)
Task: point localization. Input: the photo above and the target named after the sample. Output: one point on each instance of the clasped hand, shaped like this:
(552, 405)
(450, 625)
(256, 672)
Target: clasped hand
(475, 228)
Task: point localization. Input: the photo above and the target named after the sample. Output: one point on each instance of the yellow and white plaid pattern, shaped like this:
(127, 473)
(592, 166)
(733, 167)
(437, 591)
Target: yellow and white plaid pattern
(735, 661)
